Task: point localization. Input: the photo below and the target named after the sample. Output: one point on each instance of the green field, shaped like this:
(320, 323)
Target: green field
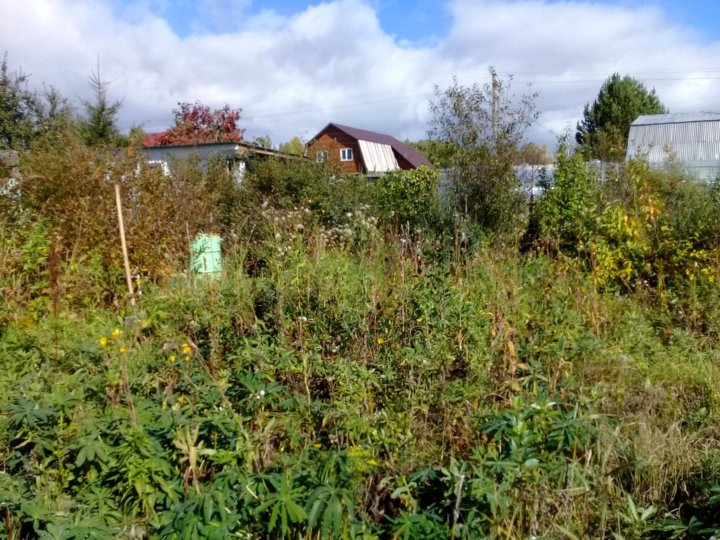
(368, 365)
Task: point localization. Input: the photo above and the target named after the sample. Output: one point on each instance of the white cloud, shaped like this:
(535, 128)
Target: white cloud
(333, 62)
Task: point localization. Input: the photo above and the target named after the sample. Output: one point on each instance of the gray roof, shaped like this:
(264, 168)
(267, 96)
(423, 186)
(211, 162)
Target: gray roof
(229, 149)
(654, 119)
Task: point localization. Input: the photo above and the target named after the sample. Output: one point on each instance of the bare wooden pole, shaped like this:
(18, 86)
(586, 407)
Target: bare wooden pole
(126, 261)
(495, 88)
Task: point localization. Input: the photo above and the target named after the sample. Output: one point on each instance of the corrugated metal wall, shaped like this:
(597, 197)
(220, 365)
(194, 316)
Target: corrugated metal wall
(693, 146)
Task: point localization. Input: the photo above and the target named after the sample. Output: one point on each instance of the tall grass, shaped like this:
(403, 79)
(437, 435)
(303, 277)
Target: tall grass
(342, 380)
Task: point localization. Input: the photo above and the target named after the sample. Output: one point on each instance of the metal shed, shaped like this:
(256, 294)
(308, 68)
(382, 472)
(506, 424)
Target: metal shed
(691, 141)
(234, 153)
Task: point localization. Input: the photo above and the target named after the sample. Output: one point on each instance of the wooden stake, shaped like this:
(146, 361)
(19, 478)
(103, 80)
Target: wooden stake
(123, 244)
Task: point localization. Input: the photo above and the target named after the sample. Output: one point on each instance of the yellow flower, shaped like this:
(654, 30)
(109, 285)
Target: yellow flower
(123, 350)
(171, 358)
(186, 348)
(116, 333)
(380, 341)
(317, 445)
(187, 358)
(103, 341)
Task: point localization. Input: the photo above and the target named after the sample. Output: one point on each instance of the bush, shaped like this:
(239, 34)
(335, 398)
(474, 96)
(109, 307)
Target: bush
(409, 199)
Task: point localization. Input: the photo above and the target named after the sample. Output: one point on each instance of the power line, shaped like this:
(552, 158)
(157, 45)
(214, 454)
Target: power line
(550, 78)
(346, 105)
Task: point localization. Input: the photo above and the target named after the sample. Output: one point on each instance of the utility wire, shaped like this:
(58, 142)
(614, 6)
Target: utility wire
(425, 91)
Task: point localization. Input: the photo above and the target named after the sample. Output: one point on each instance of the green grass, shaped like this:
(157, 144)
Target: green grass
(362, 393)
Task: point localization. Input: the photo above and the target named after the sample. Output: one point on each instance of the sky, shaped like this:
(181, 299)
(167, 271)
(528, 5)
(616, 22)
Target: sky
(293, 66)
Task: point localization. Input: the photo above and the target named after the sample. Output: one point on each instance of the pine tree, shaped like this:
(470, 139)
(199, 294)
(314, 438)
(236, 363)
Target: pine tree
(98, 127)
(603, 132)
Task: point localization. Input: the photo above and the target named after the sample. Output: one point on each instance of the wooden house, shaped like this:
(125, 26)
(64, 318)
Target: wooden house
(353, 150)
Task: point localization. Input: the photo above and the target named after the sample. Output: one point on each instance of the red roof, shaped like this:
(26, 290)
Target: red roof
(415, 158)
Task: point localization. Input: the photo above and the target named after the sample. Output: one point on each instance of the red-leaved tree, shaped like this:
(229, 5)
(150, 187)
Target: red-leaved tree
(196, 123)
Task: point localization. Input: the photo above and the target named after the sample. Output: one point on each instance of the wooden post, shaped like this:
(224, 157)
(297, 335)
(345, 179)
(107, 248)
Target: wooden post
(123, 244)
(494, 119)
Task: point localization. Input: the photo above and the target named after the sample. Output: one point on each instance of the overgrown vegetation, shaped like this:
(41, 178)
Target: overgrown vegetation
(366, 366)
(351, 376)
(478, 132)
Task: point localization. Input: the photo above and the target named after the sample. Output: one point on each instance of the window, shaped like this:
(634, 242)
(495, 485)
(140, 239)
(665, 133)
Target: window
(321, 155)
(346, 154)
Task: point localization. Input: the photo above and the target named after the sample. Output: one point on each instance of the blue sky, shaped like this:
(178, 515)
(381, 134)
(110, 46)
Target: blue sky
(414, 21)
(703, 15)
(294, 65)
(417, 22)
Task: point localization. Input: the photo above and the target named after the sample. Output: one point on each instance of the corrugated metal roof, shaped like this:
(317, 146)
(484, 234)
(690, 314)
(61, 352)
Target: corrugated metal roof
(378, 157)
(652, 119)
(415, 158)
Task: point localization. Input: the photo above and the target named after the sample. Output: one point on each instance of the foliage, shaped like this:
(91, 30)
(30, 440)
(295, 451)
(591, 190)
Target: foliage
(290, 184)
(534, 154)
(569, 209)
(196, 123)
(603, 132)
(263, 141)
(345, 379)
(637, 228)
(294, 146)
(99, 125)
(483, 128)
(409, 198)
(21, 109)
(438, 152)
(68, 187)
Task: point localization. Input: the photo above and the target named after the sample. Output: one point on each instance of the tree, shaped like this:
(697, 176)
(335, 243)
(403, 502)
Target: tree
(264, 141)
(437, 152)
(99, 125)
(534, 154)
(57, 112)
(603, 132)
(293, 146)
(409, 198)
(196, 123)
(20, 109)
(482, 128)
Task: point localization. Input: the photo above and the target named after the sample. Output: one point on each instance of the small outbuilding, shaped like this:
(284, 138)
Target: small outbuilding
(690, 141)
(353, 150)
(235, 154)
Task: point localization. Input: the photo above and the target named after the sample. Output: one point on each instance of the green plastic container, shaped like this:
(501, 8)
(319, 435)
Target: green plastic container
(206, 255)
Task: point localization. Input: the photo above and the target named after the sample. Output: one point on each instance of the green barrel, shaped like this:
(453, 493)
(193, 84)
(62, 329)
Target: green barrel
(206, 255)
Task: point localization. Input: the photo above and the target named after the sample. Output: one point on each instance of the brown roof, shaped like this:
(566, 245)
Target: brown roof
(415, 158)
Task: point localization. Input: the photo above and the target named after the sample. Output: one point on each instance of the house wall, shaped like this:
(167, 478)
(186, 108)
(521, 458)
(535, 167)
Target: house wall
(333, 141)
(165, 156)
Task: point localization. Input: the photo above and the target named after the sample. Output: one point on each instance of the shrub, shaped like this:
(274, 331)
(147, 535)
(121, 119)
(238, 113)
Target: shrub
(409, 199)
